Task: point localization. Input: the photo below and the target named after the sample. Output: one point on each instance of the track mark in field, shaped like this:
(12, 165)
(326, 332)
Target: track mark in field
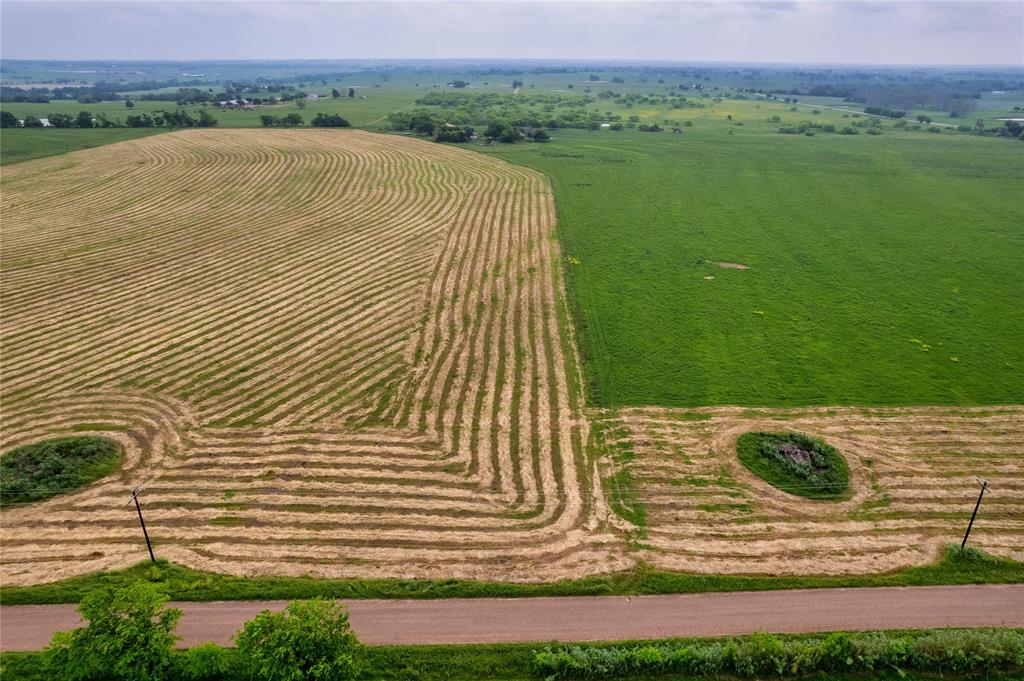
(326, 353)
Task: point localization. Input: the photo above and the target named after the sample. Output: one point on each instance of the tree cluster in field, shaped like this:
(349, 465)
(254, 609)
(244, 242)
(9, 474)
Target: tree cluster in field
(794, 463)
(442, 129)
(808, 128)
(518, 117)
(632, 99)
(965, 651)
(171, 119)
(45, 469)
(1008, 129)
(882, 111)
(293, 120)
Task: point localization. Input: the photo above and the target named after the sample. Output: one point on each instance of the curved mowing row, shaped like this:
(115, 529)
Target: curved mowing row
(325, 352)
(912, 488)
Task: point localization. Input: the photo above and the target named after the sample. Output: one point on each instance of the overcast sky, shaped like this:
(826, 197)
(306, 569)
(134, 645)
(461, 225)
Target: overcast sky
(890, 32)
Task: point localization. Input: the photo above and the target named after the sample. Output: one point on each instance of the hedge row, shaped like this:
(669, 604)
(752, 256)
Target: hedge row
(959, 651)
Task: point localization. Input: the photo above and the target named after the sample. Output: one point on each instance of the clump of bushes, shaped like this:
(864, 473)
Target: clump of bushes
(45, 469)
(804, 127)
(323, 120)
(762, 655)
(795, 463)
(310, 640)
(130, 636)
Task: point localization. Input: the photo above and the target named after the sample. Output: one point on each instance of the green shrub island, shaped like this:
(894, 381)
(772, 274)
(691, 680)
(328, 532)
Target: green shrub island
(795, 463)
(45, 469)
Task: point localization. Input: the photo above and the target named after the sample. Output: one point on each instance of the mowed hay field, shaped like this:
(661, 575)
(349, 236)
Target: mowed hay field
(912, 488)
(342, 354)
(330, 353)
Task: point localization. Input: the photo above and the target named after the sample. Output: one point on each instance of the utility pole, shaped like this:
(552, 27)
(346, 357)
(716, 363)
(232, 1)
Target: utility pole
(984, 486)
(135, 498)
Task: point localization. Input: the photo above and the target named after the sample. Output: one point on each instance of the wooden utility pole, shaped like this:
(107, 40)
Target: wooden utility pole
(135, 498)
(967, 534)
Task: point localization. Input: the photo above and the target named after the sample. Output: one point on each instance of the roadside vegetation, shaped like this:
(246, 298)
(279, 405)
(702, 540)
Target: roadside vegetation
(956, 566)
(795, 463)
(130, 633)
(45, 469)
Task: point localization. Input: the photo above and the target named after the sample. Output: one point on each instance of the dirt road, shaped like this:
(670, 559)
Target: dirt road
(493, 620)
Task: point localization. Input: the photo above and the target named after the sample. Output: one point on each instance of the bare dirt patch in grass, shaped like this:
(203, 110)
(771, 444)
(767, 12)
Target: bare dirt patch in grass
(732, 265)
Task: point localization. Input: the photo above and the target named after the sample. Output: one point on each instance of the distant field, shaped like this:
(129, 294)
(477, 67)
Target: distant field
(24, 144)
(878, 270)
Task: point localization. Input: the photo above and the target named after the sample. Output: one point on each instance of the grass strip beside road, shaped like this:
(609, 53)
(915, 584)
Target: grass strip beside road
(186, 584)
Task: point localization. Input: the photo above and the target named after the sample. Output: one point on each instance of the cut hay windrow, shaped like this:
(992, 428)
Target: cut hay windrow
(299, 336)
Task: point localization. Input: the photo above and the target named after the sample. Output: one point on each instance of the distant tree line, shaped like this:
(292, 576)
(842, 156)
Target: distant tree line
(171, 119)
(101, 91)
(881, 111)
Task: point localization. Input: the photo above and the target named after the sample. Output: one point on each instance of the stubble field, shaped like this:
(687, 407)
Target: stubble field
(341, 354)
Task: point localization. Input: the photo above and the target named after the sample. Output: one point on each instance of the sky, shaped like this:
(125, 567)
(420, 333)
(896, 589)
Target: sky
(812, 31)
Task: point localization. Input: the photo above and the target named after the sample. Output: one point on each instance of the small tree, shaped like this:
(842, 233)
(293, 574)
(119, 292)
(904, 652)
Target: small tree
(425, 127)
(206, 119)
(351, 92)
(62, 120)
(335, 93)
(83, 120)
(32, 122)
(310, 641)
(129, 636)
(301, 103)
(129, 103)
(9, 120)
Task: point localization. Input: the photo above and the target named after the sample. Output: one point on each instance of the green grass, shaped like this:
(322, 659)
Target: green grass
(882, 270)
(24, 144)
(825, 477)
(45, 469)
(955, 567)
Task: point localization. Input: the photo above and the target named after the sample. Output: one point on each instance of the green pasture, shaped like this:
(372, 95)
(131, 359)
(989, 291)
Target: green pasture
(23, 144)
(882, 269)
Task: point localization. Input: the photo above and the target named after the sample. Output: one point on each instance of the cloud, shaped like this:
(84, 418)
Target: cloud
(808, 31)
